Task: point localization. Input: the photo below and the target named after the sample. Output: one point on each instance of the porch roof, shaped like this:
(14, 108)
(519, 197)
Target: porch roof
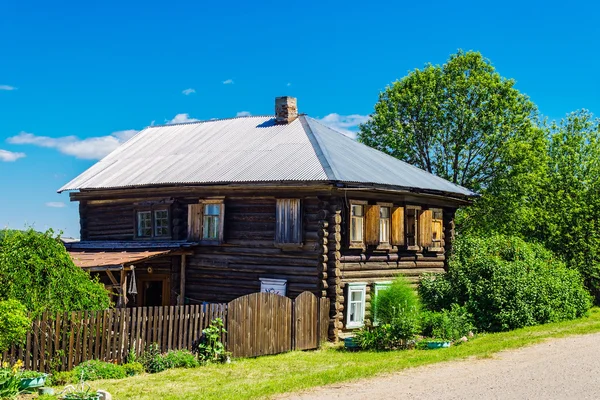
(112, 260)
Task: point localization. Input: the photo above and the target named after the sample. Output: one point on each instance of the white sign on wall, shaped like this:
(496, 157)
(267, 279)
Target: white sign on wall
(277, 286)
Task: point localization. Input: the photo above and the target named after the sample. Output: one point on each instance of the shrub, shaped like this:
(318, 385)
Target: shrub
(36, 269)
(133, 368)
(447, 324)
(395, 300)
(506, 283)
(95, 369)
(181, 359)
(62, 378)
(9, 383)
(209, 347)
(14, 323)
(153, 360)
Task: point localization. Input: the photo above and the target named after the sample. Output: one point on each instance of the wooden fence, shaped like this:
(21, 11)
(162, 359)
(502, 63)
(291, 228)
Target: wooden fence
(257, 324)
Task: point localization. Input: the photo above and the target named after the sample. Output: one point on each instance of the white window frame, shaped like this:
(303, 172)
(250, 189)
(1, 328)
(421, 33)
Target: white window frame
(155, 220)
(356, 243)
(285, 229)
(205, 217)
(138, 221)
(377, 287)
(361, 288)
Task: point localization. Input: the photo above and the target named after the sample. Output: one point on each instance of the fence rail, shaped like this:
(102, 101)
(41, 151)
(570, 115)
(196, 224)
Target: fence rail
(257, 324)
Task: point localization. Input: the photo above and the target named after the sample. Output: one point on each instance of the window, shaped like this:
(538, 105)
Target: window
(356, 223)
(378, 288)
(437, 223)
(412, 213)
(144, 224)
(161, 223)
(152, 223)
(355, 316)
(384, 225)
(205, 221)
(288, 224)
(212, 222)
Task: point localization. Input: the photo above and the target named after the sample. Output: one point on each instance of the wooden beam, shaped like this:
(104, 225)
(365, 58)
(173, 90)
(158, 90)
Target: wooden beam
(182, 281)
(123, 289)
(112, 277)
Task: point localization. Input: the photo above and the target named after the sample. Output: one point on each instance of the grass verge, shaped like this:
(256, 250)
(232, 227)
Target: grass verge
(270, 375)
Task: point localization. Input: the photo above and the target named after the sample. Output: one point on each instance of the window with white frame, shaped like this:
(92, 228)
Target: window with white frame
(211, 224)
(144, 224)
(384, 225)
(152, 223)
(378, 287)
(288, 222)
(355, 314)
(161, 223)
(357, 220)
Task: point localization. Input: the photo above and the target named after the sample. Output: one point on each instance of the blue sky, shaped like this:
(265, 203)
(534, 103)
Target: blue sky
(76, 78)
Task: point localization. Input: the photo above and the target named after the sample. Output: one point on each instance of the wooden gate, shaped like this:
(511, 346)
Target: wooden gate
(306, 311)
(259, 324)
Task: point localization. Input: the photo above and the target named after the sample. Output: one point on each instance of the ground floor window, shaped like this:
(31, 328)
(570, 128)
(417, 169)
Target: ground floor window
(355, 314)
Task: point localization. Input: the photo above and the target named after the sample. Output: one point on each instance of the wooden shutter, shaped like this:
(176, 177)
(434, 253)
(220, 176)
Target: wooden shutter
(398, 226)
(288, 228)
(372, 225)
(425, 228)
(194, 221)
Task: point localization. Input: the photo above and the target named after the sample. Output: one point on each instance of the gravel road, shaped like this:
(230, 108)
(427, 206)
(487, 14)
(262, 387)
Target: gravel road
(567, 368)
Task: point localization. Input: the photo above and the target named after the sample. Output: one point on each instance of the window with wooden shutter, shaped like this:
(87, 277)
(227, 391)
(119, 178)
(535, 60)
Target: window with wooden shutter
(398, 226)
(412, 226)
(372, 225)
(288, 222)
(425, 228)
(194, 221)
(206, 221)
(437, 227)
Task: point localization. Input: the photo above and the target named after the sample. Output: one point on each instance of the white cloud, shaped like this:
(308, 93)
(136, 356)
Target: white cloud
(7, 87)
(346, 124)
(93, 148)
(243, 114)
(228, 82)
(9, 156)
(56, 204)
(189, 91)
(181, 119)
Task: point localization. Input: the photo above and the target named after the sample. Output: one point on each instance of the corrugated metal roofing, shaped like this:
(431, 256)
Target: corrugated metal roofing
(250, 149)
(88, 259)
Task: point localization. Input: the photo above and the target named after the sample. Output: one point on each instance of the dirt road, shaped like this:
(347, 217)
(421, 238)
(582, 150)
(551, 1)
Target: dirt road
(567, 368)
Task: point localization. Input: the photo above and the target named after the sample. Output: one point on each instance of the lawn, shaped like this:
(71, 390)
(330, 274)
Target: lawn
(269, 375)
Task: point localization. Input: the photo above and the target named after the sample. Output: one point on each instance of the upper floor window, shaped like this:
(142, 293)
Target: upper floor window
(153, 223)
(206, 221)
(437, 226)
(357, 220)
(288, 222)
(412, 225)
(384, 225)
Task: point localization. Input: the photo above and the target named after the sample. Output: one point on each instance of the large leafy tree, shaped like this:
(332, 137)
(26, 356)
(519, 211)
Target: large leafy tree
(36, 269)
(456, 120)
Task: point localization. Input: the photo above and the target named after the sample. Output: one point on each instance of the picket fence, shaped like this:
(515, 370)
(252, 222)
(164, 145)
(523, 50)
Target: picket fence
(257, 324)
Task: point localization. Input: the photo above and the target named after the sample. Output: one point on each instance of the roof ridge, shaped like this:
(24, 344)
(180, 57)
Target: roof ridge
(209, 120)
(320, 151)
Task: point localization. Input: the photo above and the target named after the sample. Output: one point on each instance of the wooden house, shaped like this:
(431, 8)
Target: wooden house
(210, 211)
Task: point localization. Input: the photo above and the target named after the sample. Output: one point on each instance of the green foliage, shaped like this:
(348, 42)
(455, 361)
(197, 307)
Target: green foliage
(506, 283)
(36, 269)
(62, 378)
(448, 325)
(31, 374)
(133, 368)
(153, 360)
(454, 120)
(95, 369)
(181, 359)
(9, 383)
(210, 348)
(46, 397)
(14, 323)
(394, 300)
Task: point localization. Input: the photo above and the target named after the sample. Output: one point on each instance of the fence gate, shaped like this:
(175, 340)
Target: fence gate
(258, 324)
(306, 310)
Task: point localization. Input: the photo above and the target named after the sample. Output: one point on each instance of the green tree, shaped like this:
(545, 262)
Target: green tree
(456, 120)
(36, 269)
(14, 323)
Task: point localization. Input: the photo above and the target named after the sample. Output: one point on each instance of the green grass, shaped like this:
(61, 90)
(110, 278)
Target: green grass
(269, 375)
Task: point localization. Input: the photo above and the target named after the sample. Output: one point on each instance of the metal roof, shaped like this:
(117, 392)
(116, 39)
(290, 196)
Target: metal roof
(251, 149)
(88, 259)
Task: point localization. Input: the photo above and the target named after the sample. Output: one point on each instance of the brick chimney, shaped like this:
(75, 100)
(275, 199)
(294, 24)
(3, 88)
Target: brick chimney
(286, 110)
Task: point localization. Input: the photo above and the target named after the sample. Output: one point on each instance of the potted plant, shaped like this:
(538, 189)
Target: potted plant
(31, 380)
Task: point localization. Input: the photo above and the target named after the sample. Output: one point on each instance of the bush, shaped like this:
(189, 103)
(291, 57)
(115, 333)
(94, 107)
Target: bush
(61, 378)
(396, 300)
(37, 269)
(9, 383)
(506, 283)
(181, 359)
(447, 324)
(209, 347)
(95, 369)
(14, 323)
(133, 368)
(153, 360)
